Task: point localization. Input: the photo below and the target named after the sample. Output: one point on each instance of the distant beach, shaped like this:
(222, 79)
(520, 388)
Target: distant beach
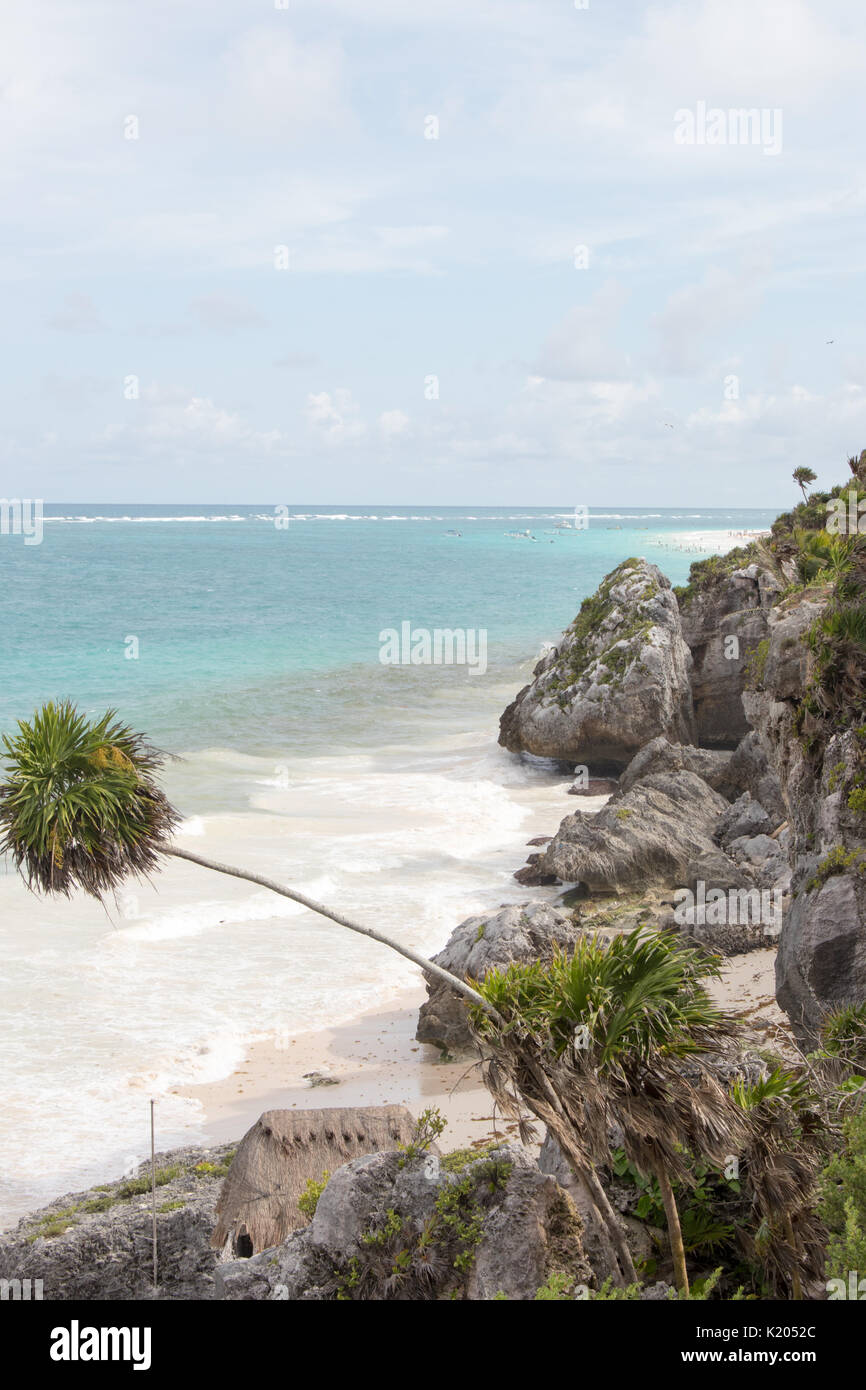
(700, 543)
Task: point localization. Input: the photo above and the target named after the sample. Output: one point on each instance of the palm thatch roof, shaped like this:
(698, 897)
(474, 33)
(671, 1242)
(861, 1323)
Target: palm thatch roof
(258, 1204)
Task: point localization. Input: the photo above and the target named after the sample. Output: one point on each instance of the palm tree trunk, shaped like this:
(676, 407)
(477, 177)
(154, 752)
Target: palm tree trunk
(554, 1116)
(796, 1286)
(427, 965)
(675, 1233)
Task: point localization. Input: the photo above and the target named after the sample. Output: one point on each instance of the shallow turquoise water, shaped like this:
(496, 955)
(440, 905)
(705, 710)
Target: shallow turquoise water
(258, 638)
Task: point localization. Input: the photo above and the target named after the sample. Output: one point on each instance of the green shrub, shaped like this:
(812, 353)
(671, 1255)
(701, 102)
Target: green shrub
(838, 861)
(843, 1202)
(309, 1198)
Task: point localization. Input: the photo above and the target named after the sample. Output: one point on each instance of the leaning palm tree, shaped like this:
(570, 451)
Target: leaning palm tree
(616, 1034)
(81, 808)
(802, 477)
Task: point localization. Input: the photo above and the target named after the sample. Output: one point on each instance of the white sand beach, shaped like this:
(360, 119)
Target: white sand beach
(375, 1060)
(701, 543)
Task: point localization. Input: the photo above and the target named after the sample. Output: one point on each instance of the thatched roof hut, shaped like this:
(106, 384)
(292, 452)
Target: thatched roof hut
(258, 1204)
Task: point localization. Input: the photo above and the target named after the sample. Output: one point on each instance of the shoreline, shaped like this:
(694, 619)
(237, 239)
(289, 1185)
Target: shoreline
(372, 1059)
(375, 1060)
(708, 542)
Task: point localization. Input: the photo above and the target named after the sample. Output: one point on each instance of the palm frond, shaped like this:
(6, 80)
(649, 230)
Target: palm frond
(79, 807)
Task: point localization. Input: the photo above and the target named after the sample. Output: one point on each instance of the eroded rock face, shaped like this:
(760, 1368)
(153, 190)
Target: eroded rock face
(722, 626)
(619, 677)
(105, 1252)
(645, 836)
(744, 817)
(660, 755)
(528, 1228)
(821, 961)
(749, 770)
(522, 932)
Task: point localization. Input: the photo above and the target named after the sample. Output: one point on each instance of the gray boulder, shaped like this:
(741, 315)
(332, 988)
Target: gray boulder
(645, 836)
(749, 770)
(660, 755)
(521, 932)
(619, 677)
(744, 817)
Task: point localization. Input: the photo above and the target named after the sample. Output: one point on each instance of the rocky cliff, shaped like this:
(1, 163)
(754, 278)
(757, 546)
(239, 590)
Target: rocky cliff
(619, 677)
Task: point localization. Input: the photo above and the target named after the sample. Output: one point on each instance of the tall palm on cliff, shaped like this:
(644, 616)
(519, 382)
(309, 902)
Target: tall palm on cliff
(81, 808)
(616, 1034)
(803, 477)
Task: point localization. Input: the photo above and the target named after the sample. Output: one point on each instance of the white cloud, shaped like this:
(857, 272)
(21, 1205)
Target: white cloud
(281, 89)
(79, 314)
(166, 418)
(580, 347)
(393, 423)
(335, 416)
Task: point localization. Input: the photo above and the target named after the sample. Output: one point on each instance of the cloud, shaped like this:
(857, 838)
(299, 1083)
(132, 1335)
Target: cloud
(218, 313)
(393, 423)
(281, 89)
(78, 315)
(580, 348)
(295, 361)
(173, 419)
(334, 417)
(696, 316)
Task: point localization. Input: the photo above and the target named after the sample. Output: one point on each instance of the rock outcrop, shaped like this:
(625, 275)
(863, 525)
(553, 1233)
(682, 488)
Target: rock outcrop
(619, 677)
(749, 770)
(660, 755)
(647, 835)
(523, 932)
(383, 1229)
(98, 1244)
(722, 625)
(821, 961)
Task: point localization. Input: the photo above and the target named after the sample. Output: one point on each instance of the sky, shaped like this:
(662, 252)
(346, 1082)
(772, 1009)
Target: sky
(441, 252)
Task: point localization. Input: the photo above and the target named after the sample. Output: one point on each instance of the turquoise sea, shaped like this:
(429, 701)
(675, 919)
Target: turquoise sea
(251, 649)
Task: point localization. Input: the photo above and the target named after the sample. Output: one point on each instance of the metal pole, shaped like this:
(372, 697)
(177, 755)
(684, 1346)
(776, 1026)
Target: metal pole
(153, 1189)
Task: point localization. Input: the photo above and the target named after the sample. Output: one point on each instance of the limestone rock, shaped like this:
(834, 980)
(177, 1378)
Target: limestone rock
(619, 677)
(105, 1252)
(743, 817)
(521, 932)
(660, 755)
(645, 836)
(376, 1207)
(749, 770)
(722, 624)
